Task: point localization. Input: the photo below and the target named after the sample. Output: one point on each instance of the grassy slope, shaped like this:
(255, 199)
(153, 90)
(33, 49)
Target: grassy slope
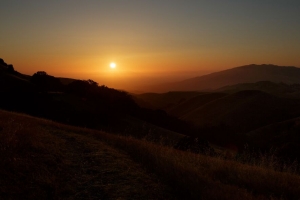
(282, 135)
(245, 111)
(195, 102)
(141, 129)
(41, 160)
(44, 159)
(167, 100)
(279, 89)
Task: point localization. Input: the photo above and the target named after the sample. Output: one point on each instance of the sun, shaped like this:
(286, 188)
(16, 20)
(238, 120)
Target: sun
(112, 65)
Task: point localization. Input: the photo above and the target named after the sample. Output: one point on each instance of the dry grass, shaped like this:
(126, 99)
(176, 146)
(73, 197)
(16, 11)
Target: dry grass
(44, 160)
(195, 176)
(57, 158)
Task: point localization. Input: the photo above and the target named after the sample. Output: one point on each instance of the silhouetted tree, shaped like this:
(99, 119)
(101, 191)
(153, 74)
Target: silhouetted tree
(10, 68)
(107, 99)
(40, 73)
(81, 88)
(2, 62)
(7, 68)
(46, 82)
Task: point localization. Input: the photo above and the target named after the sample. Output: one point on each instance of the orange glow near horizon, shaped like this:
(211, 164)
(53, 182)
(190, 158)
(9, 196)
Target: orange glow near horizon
(151, 42)
(139, 70)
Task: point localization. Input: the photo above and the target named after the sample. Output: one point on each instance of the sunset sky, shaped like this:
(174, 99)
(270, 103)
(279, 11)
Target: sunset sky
(150, 41)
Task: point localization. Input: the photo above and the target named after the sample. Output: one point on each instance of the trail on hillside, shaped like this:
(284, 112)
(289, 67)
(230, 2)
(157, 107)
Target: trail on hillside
(42, 161)
(98, 171)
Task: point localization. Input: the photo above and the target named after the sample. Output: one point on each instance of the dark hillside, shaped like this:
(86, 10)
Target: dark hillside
(13, 81)
(44, 160)
(224, 119)
(279, 89)
(193, 103)
(166, 101)
(283, 137)
(66, 81)
(245, 111)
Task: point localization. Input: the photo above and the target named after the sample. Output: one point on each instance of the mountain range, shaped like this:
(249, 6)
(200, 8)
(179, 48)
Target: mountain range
(254, 104)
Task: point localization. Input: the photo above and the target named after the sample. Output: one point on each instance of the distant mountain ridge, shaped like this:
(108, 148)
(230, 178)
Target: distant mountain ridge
(244, 74)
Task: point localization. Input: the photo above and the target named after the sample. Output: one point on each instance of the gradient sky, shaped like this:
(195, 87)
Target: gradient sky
(150, 41)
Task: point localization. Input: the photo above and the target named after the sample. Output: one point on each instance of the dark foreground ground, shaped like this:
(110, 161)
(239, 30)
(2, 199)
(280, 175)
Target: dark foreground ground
(42, 161)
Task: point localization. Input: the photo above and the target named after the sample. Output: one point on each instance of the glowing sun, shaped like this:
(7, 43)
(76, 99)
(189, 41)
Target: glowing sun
(112, 65)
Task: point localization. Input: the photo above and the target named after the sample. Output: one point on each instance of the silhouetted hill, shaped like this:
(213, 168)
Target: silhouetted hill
(66, 81)
(225, 118)
(240, 111)
(11, 80)
(279, 89)
(244, 74)
(283, 137)
(244, 111)
(194, 102)
(165, 101)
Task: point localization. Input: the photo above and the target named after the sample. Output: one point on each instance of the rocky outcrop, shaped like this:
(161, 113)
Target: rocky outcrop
(6, 67)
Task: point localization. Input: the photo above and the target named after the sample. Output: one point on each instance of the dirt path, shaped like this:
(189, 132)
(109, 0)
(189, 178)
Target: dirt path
(97, 171)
